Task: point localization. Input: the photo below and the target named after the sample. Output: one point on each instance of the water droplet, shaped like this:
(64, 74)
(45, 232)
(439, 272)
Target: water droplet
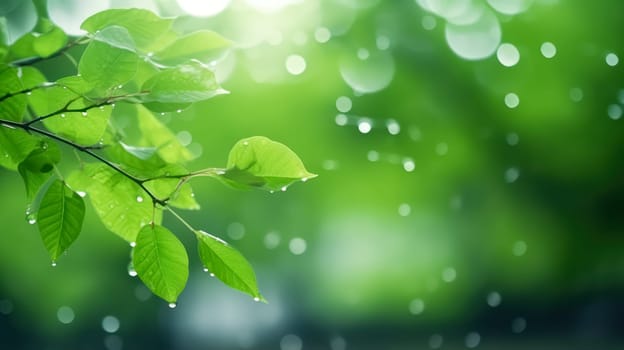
(322, 35)
(297, 246)
(212, 274)
(31, 218)
(508, 55)
(365, 125)
(295, 64)
(150, 54)
(245, 143)
(62, 115)
(519, 248)
(179, 111)
(393, 127)
(518, 325)
(119, 86)
(416, 306)
(256, 299)
(341, 120)
(131, 271)
(548, 49)
(405, 209)
(172, 305)
(84, 114)
(343, 104)
(449, 275)
(512, 100)
(139, 199)
(81, 193)
(436, 341)
(53, 264)
(612, 59)
(29, 93)
(477, 40)
(205, 269)
(65, 314)
(472, 340)
(372, 74)
(511, 175)
(110, 324)
(409, 165)
(304, 179)
(284, 188)
(494, 299)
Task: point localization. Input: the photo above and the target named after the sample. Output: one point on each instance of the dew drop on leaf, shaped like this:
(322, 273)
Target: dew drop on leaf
(172, 305)
(256, 299)
(54, 264)
(139, 199)
(205, 269)
(31, 218)
(84, 114)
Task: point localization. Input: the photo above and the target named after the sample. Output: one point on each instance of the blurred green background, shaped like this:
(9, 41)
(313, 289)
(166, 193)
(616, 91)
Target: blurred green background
(471, 188)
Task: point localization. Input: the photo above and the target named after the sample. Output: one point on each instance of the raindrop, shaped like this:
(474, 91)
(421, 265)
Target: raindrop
(436, 341)
(322, 35)
(284, 188)
(245, 143)
(172, 305)
(393, 127)
(297, 246)
(548, 49)
(472, 340)
(409, 165)
(110, 324)
(365, 125)
(341, 120)
(304, 179)
(477, 40)
(62, 115)
(363, 54)
(256, 299)
(150, 54)
(212, 274)
(133, 244)
(338, 343)
(512, 174)
(612, 59)
(84, 114)
(449, 274)
(614, 111)
(81, 193)
(291, 342)
(518, 325)
(28, 93)
(373, 156)
(368, 75)
(428, 22)
(494, 299)
(383, 42)
(441, 149)
(576, 94)
(131, 271)
(508, 55)
(512, 100)
(65, 314)
(512, 139)
(405, 209)
(139, 199)
(343, 104)
(295, 64)
(53, 264)
(236, 230)
(519, 248)
(31, 218)
(416, 306)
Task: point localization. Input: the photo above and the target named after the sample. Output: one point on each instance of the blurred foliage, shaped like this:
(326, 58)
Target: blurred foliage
(406, 234)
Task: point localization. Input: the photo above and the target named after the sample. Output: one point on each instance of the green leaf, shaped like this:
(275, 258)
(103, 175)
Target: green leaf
(60, 217)
(50, 42)
(12, 108)
(142, 153)
(84, 128)
(260, 162)
(123, 207)
(145, 27)
(37, 168)
(116, 36)
(180, 194)
(203, 45)
(51, 99)
(76, 84)
(106, 66)
(15, 146)
(227, 264)
(156, 134)
(161, 262)
(186, 83)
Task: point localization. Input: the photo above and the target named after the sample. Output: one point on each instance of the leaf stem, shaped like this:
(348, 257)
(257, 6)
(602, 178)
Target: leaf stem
(181, 219)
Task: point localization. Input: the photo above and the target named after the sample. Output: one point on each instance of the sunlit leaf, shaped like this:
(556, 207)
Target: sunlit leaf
(227, 264)
(156, 134)
(161, 262)
(142, 153)
(60, 217)
(11, 108)
(84, 128)
(37, 168)
(123, 207)
(203, 45)
(144, 27)
(106, 66)
(260, 162)
(116, 36)
(186, 83)
(50, 42)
